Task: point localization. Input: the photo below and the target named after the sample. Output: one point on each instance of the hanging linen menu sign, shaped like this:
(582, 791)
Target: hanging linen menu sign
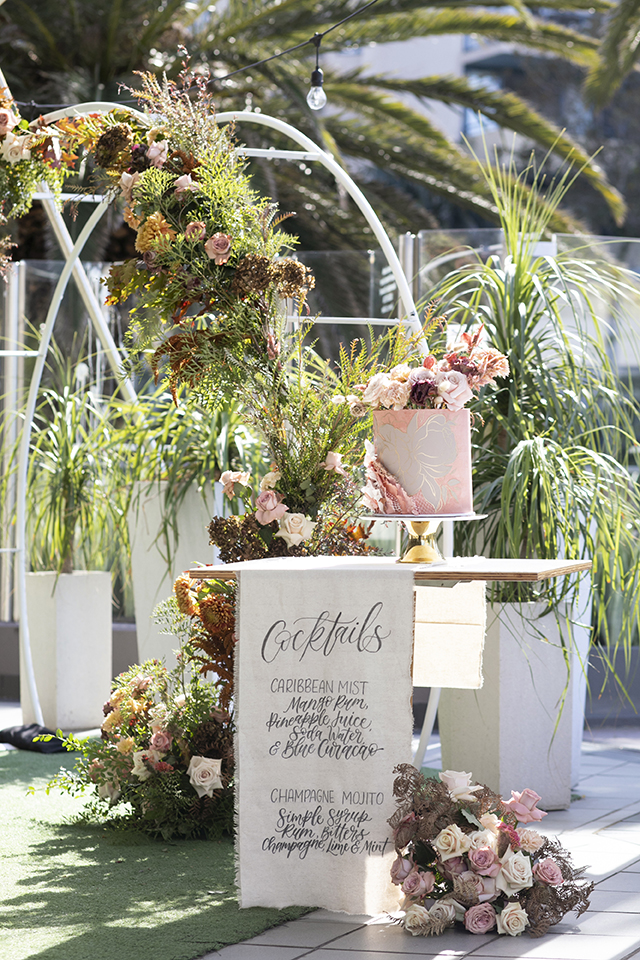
(323, 714)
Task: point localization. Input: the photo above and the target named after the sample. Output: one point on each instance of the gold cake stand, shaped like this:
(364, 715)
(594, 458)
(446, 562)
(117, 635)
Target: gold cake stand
(422, 547)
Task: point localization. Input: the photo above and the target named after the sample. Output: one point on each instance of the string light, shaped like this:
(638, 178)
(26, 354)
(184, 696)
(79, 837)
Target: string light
(317, 98)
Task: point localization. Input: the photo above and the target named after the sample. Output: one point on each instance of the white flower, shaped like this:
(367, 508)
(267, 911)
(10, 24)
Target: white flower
(490, 822)
(127, 183)
(204, 774)
(459, 785)
(415, 920)
(483, 838)
(444, 911)
(139, 769)
(14, 148)
(515, 873)
(158, 152)
(400, 372)
(512, 920)
(376, 388)
(294, 528)
(270, 479)
(109, 791)
(451, 842)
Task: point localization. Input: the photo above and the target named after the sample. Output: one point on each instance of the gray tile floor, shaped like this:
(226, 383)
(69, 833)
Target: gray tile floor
(601, 829)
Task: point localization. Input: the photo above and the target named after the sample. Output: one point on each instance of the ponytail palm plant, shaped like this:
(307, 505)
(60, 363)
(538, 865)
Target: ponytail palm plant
(551, 459)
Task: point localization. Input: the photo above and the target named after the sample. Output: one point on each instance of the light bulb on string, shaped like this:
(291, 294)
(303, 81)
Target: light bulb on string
(317, 98)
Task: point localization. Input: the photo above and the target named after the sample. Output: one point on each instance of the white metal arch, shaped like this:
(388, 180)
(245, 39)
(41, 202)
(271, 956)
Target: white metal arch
(72, 252)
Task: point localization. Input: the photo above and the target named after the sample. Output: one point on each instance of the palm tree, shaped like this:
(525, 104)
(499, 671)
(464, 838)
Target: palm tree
(618, 54)
(79, 49)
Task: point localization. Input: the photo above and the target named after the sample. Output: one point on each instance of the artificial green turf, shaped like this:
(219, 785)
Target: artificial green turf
(76, 892)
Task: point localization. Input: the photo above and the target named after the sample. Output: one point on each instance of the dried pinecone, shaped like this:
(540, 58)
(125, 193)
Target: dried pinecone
(292, 278)
(113, 149)
(253, 275)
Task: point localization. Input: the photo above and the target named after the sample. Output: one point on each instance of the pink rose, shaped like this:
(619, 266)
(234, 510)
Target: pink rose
(8, 120)
(333, 461)
(400, 869)
(524, 806)
(485, 886)
(454, 389)
(196, 230)
(419, 884)
(480, 918)
(484, 861)
(184, 184)
(162, 741)
(218, 247)
(269, 507)
(453, 867)
(229, 478)
(548, 871)
(157, 153)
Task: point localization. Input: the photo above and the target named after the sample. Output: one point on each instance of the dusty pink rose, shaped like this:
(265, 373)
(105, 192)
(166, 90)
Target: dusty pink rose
(157, 153)
(480, 918)
(524, 806)
(419, 884)
(548, 871)
(162, 741)
(484, 862)
(218, 248)
(8, 120)
(333, 461)
(269, 507)
(400, 869)
(184, 184)
(454, 389)
(453, 867)
(229, 478)
(485, 886)
(196, 230)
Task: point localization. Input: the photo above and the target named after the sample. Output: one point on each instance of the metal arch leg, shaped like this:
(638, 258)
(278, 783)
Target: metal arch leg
(427, 726)
(23, 457)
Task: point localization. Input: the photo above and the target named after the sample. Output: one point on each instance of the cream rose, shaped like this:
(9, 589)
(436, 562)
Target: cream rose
(490, 822)
(443, 911)
(14, 148)
(127, 183)
(416, 920)
(375, 389)
(204, 774)
(451, 842)
(295, 528)
(140, 769)
(400, 372)
(459, 785)
(512, 920)
(515, 873)
(454, 389)
(270, 479)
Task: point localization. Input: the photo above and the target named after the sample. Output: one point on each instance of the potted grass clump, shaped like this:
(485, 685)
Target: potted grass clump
(551, 474)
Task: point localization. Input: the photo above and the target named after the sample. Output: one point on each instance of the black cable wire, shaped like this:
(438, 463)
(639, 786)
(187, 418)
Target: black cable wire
(315, 39)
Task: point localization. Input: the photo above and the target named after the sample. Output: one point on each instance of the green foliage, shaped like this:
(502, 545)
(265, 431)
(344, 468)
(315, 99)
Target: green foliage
(551, 460)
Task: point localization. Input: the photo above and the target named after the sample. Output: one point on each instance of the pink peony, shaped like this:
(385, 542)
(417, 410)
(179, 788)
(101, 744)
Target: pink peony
(196, 230)
(269, 507)
(480, 918)
(333, 461)
(524, 806)
(484, 861)
(400, 869)
(218, 247)
(185, 184)
(8, 120)
(162, 741)
(548, 871)
(419, 884)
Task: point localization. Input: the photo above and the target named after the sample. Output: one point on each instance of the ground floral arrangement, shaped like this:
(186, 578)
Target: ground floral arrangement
(164, 763)
(467, 855)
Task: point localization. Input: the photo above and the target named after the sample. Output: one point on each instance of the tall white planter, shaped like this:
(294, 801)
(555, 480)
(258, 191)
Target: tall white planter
(508, 733)
(70, 633)
(152, 581)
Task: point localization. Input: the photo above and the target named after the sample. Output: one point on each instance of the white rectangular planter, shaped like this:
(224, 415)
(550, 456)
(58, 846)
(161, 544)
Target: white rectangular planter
(506, 733)
(70, 633)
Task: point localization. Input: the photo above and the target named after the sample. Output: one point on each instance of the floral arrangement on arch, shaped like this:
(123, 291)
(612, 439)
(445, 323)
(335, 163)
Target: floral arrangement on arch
(467, 855)
(208, 281)
(164, 763)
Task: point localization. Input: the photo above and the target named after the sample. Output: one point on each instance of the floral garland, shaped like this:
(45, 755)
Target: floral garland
(463, 857)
